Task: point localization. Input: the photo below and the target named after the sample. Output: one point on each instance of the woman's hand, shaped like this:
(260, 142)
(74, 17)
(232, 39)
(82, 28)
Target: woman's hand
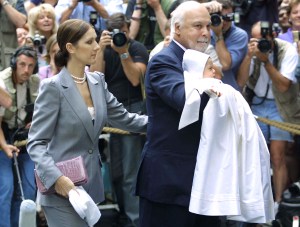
(63, 185)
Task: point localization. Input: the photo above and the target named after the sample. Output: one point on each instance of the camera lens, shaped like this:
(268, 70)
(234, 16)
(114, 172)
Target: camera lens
(119, 38)
(37, 40)
(215, 19)
(264, 45)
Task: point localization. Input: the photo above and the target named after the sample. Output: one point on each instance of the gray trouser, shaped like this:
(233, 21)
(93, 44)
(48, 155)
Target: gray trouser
(63, 217)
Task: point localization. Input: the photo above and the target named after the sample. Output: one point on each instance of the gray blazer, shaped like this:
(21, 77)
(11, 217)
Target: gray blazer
(62, 128)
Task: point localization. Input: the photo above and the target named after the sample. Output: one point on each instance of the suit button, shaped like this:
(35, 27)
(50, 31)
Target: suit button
(91, 151)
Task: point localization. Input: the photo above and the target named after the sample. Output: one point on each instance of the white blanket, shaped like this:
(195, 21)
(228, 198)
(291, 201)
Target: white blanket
(232, 174)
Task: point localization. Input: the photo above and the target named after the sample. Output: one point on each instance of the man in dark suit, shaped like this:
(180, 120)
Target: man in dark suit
(165, 176)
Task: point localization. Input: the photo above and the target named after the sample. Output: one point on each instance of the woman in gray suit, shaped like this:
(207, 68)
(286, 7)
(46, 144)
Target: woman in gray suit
(69, 114)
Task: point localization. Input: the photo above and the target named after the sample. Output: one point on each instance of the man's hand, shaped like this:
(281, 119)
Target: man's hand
(9, 150)
(105, 40)
(213, 6)
(252, 47)
(263, 57)
(217, 29)
(167, 40)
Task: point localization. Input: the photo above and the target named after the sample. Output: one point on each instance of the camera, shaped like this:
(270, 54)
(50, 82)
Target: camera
(119, 38)
(264, 45)
(276, 28)
(20, 134)
(241, 8)
(38, 39)
(93, 18)
(294, 189)
(216, 18)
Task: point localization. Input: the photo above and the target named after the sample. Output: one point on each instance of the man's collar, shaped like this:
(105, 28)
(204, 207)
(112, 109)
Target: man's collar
(182, 47)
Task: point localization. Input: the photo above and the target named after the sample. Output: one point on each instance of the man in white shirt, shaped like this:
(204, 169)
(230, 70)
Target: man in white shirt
(271, 64)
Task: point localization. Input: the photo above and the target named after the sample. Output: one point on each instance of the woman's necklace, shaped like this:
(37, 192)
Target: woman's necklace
(79, 80)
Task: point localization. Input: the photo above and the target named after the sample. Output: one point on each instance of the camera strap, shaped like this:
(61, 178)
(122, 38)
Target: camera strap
(28, 100)
(256, 73)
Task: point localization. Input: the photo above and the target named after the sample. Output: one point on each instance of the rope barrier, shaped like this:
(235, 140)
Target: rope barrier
(292, 128)
(105, 129)
(115, 130)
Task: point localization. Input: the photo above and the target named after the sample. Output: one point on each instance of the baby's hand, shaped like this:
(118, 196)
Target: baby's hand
(213, 92)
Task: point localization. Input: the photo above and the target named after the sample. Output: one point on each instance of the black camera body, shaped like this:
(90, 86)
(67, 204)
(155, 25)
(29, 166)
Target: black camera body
(216, 18)
(119, 38)
(242, 7)
(39, 40)
(264, 45)
(93, 18)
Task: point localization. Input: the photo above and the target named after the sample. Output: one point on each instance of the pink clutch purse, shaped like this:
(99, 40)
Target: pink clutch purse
(73, 168)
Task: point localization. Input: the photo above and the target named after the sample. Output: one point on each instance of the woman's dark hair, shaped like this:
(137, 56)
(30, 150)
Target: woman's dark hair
(71, 31)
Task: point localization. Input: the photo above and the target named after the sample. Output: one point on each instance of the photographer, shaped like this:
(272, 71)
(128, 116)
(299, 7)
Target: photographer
(12, 16)
(42, 25)
(248, 12)
(81, 9)
(268, 69)
(230, 42)
(22, 86)
(123, 62)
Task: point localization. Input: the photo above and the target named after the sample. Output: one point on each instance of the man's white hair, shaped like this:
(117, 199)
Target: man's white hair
(179, 14)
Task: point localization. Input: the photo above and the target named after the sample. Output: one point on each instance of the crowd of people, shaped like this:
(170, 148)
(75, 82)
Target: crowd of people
(68, 68)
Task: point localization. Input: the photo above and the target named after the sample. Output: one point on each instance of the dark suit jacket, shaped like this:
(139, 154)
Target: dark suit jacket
(169, 156)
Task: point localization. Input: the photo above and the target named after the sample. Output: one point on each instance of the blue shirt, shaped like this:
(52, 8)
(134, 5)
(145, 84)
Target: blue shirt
(288, 36)
(20, 7)
(83, 11)
(236, 41)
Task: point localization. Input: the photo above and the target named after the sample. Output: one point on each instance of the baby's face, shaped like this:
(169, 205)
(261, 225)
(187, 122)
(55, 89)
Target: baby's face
(209, 71)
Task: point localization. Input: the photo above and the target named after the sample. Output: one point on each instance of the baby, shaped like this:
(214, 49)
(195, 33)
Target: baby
(198, 64)
(199, 77)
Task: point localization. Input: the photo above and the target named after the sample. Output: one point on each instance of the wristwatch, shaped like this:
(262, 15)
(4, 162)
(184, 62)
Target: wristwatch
(220, 37)
(124, 56)
(4, 3)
